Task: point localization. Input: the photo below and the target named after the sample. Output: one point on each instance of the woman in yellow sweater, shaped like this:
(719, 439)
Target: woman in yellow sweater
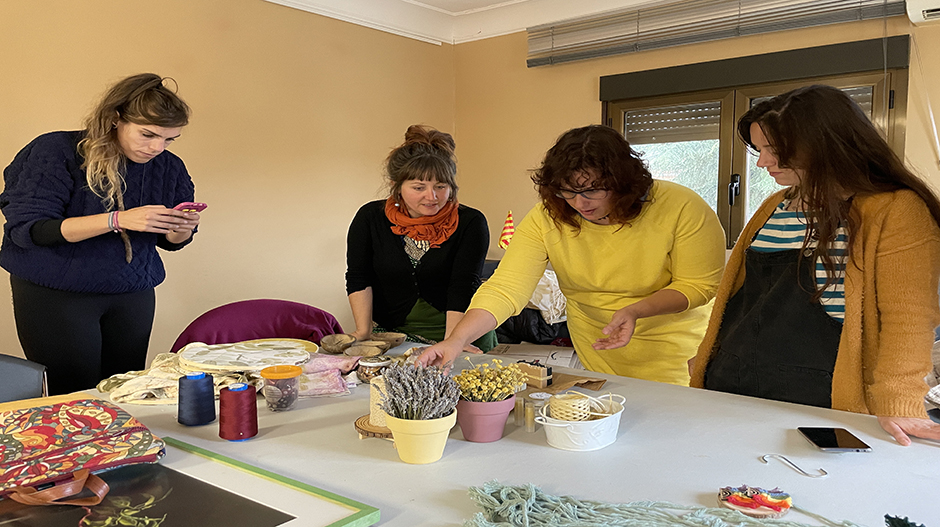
(847, 323)
(637, 260)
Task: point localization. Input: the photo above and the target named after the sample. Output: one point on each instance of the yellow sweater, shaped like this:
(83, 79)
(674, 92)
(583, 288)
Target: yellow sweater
(891, 306)
(675, 243)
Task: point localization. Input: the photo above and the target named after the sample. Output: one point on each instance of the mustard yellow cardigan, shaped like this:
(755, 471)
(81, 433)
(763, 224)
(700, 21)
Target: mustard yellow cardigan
(891, 305)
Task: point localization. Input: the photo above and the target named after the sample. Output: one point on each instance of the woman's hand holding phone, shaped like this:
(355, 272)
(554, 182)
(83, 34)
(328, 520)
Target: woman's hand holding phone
(159, 219)
(191, 206)
(191, 210)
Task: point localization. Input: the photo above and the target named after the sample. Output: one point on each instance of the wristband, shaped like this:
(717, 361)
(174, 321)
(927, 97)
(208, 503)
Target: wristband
(113, 222)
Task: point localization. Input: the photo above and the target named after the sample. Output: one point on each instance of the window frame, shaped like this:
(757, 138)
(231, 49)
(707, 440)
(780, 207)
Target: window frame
(889, 88)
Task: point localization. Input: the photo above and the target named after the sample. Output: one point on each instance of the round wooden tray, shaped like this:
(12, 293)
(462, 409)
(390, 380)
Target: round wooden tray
(367, 429)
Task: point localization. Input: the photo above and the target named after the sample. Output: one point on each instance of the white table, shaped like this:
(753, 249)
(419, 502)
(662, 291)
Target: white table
(675, 444)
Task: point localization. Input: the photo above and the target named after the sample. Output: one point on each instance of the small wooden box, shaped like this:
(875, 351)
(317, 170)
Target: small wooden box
(537, 376)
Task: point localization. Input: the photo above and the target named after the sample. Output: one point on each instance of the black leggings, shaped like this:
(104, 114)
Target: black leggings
(82, 338)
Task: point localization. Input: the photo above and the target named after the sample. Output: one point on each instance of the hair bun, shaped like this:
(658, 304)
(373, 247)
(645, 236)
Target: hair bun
(421, 134)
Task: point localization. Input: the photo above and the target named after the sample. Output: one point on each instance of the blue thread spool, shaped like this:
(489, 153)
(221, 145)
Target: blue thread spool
(196, 399)
(238, 412)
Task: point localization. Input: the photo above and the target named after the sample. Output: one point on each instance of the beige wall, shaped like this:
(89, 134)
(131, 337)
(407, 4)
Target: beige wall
(294, 114)
(508, 115)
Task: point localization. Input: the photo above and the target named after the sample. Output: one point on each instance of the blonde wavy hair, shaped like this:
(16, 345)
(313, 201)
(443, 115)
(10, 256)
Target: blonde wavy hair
(140, 99)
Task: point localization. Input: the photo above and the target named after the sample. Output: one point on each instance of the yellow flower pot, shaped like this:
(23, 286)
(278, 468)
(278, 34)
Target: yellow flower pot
(420, 441)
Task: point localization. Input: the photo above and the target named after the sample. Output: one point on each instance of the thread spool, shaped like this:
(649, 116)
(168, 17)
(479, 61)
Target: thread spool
(376, 414)
(196, 404)
(238, 412)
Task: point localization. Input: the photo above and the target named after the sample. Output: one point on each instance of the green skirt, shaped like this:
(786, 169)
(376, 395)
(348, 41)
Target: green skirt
(426, 324)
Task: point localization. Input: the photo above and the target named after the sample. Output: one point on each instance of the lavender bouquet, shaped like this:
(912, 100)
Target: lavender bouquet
(417, 392)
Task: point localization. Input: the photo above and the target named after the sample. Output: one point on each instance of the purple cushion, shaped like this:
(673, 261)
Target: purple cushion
(259, 319)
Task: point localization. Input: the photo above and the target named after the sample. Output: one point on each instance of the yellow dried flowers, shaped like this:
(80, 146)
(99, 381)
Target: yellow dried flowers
(487, 383)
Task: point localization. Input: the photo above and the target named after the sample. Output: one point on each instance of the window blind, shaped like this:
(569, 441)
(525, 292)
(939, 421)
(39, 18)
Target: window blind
(670, 124)
(862, 95)
(674, 23)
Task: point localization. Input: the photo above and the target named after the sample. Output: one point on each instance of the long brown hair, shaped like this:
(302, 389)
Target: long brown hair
(599, 149)
(820, 131)
(140, 99)
(427, 154)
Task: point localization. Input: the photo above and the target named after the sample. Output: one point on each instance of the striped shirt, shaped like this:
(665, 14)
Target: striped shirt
(785, 230)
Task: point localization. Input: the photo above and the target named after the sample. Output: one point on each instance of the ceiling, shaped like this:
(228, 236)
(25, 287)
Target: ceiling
(461, 7)
(455, 21)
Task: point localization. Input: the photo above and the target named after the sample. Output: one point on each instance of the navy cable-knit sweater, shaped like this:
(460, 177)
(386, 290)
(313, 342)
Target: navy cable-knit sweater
(45, 182)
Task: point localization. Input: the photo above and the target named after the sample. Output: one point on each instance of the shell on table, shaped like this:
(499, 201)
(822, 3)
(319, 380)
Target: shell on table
(337, 343)
(359, 350)
(381, 344)
(394, 339)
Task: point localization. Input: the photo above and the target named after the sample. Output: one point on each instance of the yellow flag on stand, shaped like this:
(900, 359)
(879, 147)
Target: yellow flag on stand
(508, 230)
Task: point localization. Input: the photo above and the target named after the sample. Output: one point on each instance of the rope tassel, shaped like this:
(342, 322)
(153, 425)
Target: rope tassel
(528, 506)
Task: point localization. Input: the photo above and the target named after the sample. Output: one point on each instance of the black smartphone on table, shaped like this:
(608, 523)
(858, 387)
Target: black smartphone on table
(833, 439)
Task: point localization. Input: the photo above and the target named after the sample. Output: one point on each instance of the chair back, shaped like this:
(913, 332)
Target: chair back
(21, 379)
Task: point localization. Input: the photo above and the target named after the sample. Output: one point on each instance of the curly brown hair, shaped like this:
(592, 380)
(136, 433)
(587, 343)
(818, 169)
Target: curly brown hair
(820, 131)
(605, 153)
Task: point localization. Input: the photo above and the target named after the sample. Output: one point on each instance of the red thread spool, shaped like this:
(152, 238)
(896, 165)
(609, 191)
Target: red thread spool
(238, 412)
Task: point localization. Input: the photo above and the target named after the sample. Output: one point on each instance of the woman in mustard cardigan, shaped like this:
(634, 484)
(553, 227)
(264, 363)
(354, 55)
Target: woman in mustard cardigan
(637, 260)
(830, 295)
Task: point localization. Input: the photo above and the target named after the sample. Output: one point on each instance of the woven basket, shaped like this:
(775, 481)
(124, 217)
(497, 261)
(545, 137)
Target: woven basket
(570, 406)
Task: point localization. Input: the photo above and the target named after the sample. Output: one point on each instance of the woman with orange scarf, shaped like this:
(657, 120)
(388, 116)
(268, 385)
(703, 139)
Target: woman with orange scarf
(414, 260)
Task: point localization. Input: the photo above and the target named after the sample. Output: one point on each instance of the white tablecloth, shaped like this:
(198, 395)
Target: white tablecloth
(675, 444)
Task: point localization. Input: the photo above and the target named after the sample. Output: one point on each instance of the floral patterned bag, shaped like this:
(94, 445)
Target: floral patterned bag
(47, 453)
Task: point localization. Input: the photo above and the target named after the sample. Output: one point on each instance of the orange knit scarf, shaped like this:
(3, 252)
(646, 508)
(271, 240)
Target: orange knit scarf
(433, 229)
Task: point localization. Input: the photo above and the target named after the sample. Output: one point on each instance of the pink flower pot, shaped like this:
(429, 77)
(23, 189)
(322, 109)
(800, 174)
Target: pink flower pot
(483, 422)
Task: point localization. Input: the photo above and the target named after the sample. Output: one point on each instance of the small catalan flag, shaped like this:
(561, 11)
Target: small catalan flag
(508, 230)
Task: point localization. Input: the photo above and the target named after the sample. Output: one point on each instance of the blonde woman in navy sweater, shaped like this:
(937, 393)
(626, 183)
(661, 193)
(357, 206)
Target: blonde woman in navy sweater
(85, 212)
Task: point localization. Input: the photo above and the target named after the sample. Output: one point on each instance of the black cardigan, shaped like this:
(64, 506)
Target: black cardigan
(446, 277)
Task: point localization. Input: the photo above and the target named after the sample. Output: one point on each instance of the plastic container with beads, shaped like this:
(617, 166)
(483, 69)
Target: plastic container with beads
(281, 386)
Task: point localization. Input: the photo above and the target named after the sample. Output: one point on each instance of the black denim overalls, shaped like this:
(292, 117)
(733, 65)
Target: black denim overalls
(775, 342)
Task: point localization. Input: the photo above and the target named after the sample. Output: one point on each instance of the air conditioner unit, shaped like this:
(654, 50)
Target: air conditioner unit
(923, 11)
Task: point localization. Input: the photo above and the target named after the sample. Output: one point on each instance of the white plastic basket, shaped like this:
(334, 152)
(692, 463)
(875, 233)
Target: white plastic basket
(584, 436)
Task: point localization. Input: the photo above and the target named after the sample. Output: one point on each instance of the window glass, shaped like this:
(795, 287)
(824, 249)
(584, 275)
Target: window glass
(679, 143)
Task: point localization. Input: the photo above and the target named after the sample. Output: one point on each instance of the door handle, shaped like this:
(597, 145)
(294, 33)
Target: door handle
(734, 188)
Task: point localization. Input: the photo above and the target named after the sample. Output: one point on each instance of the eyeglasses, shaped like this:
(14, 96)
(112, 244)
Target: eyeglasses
(590, 193)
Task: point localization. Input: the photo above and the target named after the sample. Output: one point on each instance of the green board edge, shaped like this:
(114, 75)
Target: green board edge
(364, 516)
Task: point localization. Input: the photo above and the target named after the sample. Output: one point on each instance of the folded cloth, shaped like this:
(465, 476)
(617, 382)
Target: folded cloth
(932, 399)
(160, 383)
(329, 383)
(318, 363)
